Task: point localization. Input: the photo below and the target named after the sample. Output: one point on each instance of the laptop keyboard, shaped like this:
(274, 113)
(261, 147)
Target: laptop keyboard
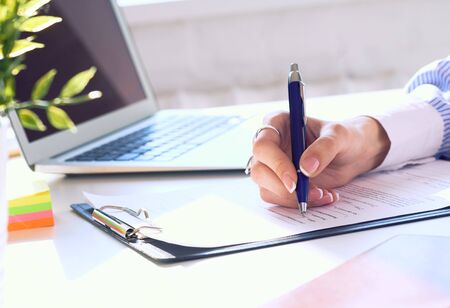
(162, 141)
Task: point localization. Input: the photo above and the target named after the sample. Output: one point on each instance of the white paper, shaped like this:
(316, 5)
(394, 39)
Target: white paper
(380, 195)
(202, 217)
(231, 212)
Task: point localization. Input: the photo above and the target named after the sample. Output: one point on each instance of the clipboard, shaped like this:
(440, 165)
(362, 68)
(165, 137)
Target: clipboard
(165, 252)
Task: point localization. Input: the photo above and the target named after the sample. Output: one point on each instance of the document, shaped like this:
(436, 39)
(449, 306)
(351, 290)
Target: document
(234, 213)
(380, 195)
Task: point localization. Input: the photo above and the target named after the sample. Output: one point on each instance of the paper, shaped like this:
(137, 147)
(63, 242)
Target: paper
(412, 189)
(232, 212)
(199, 218)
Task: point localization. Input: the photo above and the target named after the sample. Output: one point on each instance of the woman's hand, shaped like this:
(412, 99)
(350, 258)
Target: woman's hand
(337, 152)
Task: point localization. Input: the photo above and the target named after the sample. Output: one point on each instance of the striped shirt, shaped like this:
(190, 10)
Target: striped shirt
(437, 74)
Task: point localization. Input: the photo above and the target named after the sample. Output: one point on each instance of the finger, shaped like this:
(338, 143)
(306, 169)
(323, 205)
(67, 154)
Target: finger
(336, 196)
(279, 120)
(324, 150)
(289, 200)
(273, 198)
(268, 132)
(315, 193)
(329, 197)
(266, 178)
(270, 154)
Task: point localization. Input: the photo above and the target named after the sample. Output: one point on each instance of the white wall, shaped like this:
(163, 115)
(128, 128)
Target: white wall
(203, 53)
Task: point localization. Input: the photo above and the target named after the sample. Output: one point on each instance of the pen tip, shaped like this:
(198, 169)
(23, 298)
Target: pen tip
(303, 206)
(294, 67)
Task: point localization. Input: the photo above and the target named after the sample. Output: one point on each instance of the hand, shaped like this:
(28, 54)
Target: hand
(337, 152)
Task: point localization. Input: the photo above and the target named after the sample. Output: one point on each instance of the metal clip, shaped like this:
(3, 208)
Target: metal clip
(121, 227)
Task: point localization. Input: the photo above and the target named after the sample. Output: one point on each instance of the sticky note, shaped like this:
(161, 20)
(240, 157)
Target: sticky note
(31, 211)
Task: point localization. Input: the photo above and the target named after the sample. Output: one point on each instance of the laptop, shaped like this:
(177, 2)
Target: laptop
(124, 130)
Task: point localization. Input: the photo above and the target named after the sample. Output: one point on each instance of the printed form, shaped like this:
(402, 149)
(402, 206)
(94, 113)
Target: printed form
(218, 215)
(379, 195)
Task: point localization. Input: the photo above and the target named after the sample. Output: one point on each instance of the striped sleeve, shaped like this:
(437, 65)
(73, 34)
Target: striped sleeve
(436, 77)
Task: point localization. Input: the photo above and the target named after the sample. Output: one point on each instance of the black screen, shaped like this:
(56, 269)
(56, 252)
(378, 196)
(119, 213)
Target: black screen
(89, 35)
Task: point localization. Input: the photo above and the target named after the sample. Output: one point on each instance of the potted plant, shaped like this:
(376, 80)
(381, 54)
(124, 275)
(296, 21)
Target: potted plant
(19, 22)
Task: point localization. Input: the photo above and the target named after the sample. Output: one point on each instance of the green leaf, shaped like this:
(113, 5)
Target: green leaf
(11, 6)
(10, 34)
(3, 12)
(78, 99)
(14, 67)
(15, 71)
(10, 88)
(29, 8)
(59, 118)
(39, 23)
(21, 47)
(42, 86)
(30, 120)
(77, 83)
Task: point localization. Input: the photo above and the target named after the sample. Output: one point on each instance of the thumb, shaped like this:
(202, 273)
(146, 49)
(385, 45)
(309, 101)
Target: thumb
(320, 154)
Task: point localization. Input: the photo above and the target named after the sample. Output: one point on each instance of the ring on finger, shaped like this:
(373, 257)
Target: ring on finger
(266, 127)
(248, 167)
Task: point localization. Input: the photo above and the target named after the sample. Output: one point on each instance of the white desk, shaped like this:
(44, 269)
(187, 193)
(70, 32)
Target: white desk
(75, 265)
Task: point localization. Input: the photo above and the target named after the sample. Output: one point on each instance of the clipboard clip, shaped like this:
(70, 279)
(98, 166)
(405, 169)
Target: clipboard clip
(123, 228)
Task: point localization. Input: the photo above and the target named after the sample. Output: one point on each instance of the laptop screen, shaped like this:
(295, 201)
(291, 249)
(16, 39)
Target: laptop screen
(89, 35)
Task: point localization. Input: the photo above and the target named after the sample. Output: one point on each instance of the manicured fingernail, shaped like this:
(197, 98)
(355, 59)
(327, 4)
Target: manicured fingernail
(309, 166)
(315, 194)
(288, 182)
(328, 198)
(338, 197)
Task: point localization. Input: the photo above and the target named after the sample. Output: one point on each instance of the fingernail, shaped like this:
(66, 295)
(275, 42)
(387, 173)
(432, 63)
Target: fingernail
(309, 165)
(315, 194)
(288, 182)
(328, 198)
(338, 197)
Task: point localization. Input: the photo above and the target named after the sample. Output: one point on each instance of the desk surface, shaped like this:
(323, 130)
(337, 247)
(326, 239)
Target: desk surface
(74, 265)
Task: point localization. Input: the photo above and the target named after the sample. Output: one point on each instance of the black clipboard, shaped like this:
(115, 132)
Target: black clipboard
(165, 252)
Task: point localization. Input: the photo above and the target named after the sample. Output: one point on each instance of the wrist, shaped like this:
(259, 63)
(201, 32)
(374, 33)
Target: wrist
(376, 141)
(370, 141)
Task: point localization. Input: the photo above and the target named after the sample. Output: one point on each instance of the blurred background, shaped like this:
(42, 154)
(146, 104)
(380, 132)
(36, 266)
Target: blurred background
(201, 53)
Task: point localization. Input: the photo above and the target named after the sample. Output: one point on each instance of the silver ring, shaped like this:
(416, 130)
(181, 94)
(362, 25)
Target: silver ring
(263, 128)
(248, 167)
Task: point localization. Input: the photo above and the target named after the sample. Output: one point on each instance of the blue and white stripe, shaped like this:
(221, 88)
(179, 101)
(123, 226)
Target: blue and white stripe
(437, 74)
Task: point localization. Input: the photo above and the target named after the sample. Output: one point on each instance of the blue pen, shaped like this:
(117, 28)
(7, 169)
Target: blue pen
(298, 133)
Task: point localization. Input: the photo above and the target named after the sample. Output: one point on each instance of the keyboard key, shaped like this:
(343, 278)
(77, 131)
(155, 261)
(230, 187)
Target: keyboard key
(127, 157)
(81, 158)
(145, 158)
(184, 147)
(140, 150)
(107, 157)
(153, 144)
(156, 152)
